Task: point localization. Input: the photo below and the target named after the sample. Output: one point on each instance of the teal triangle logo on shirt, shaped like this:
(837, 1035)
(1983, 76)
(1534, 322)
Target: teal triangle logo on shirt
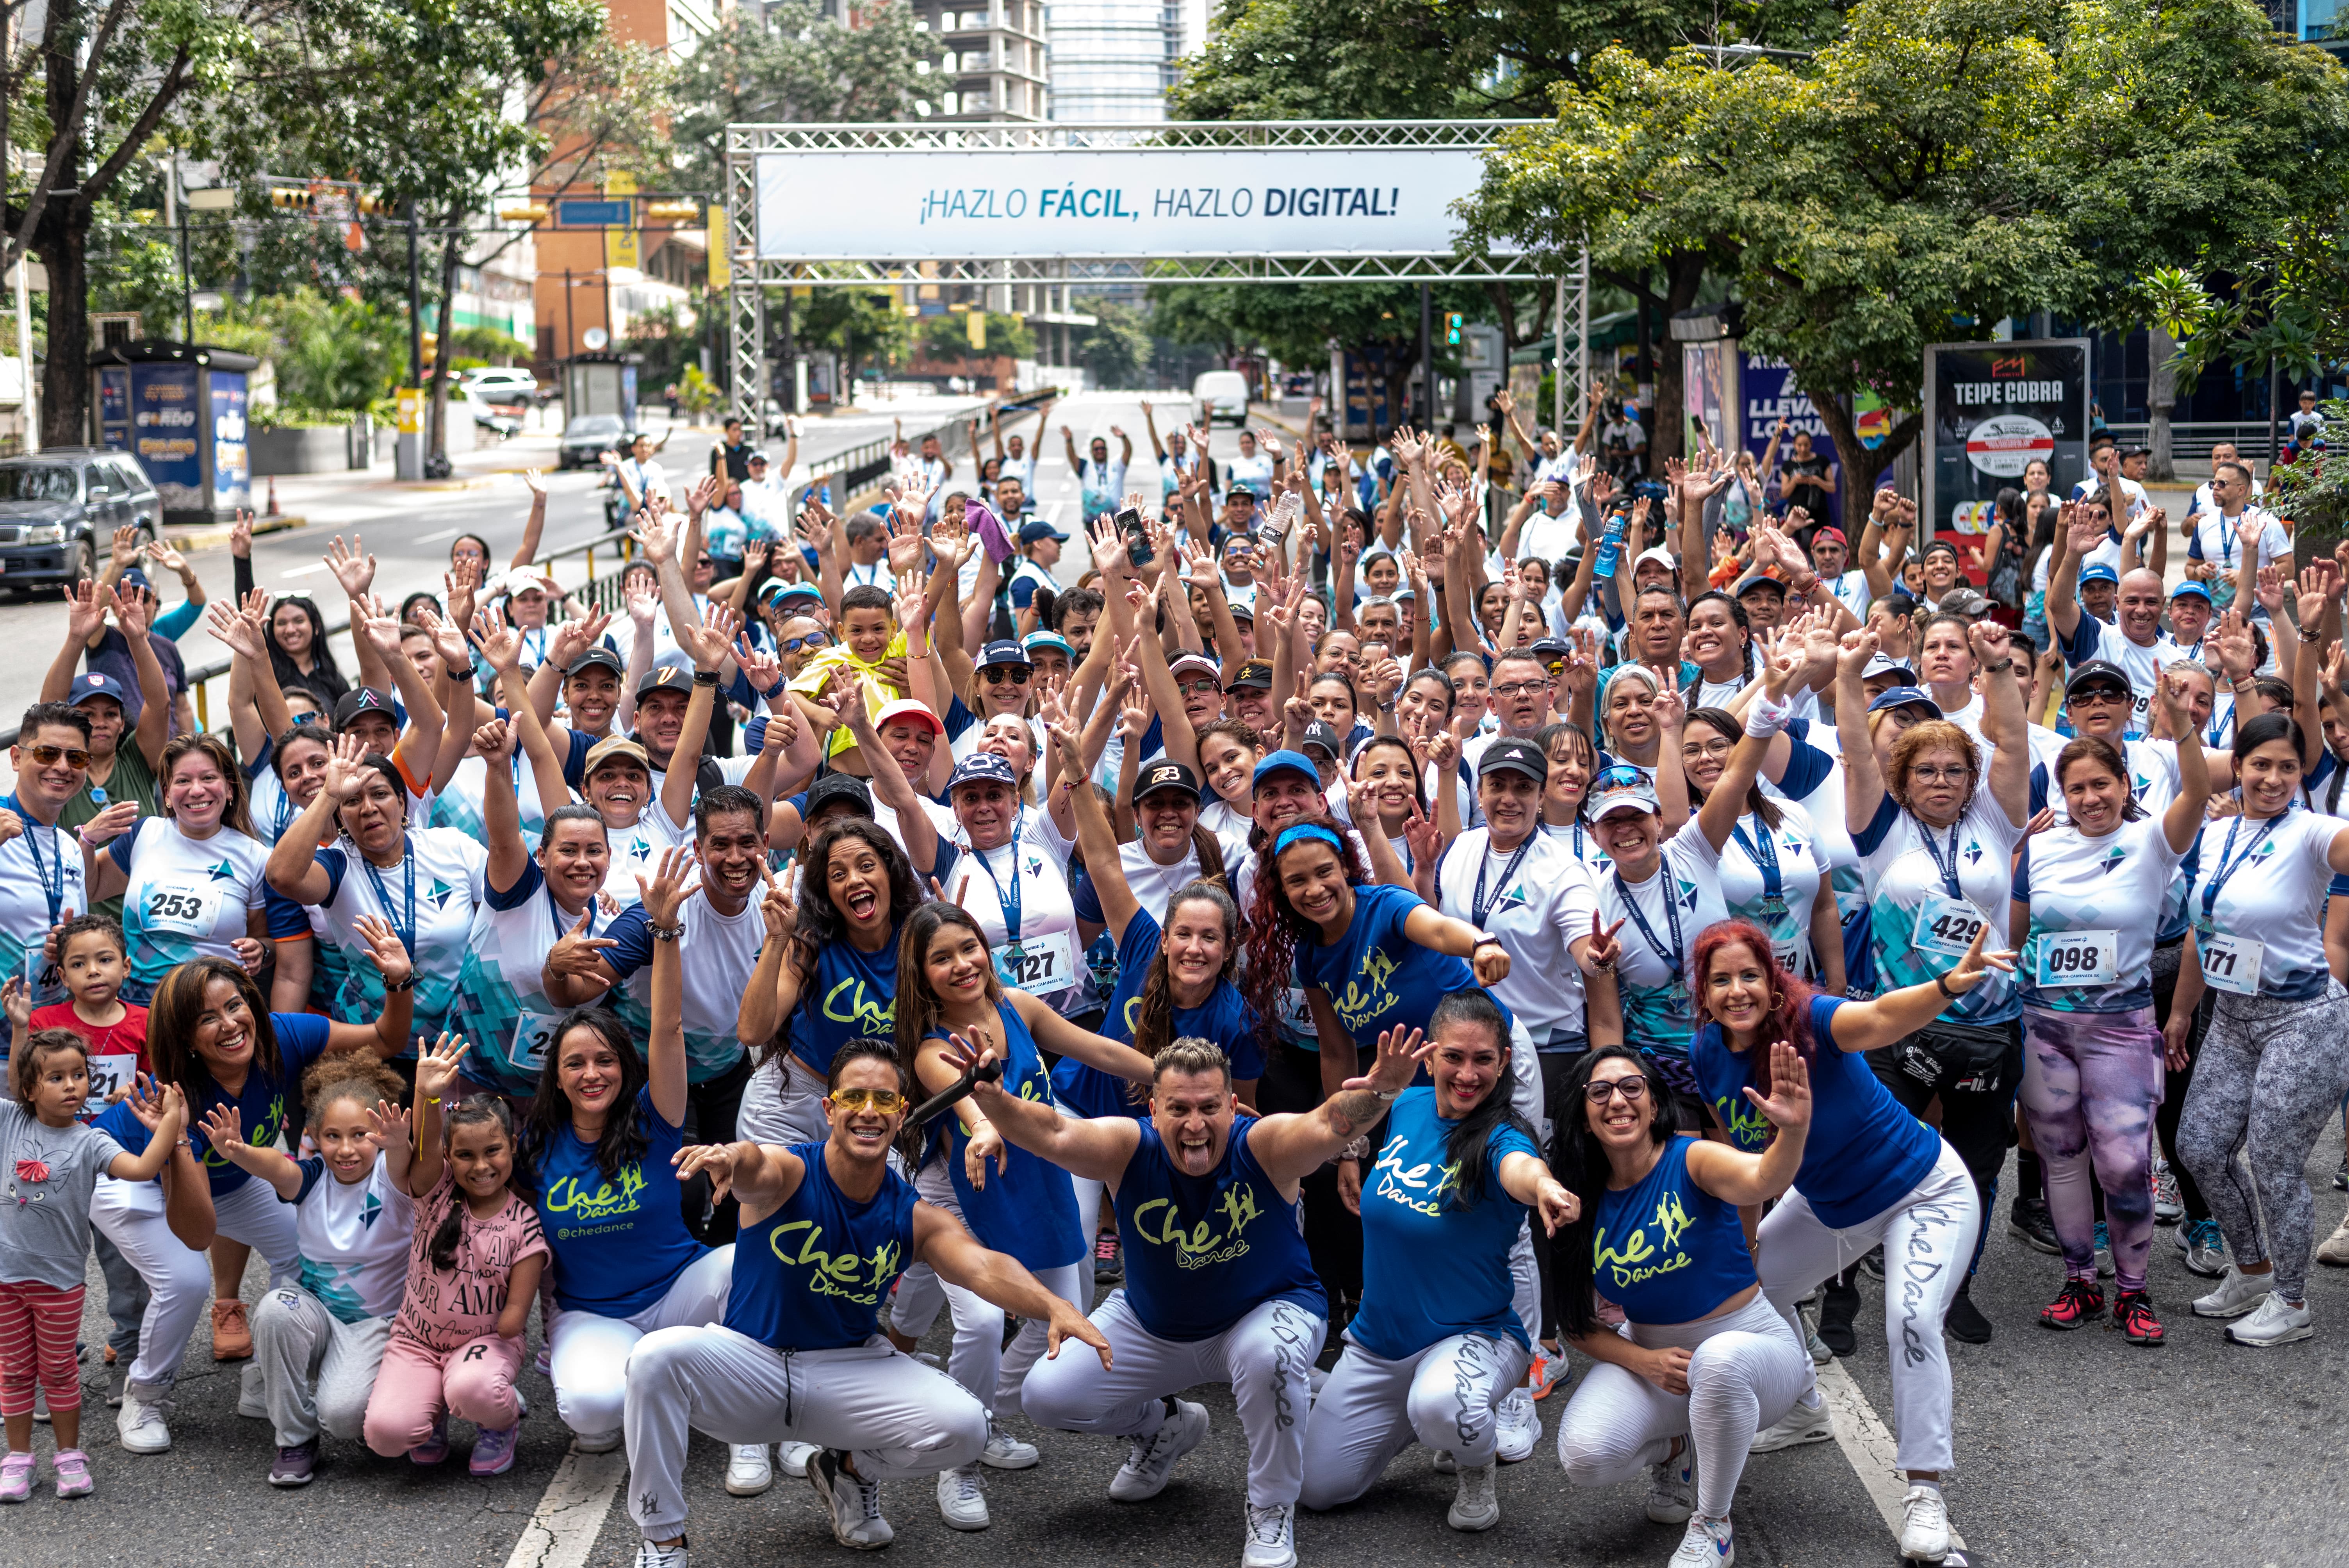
(369, 1209)
(223, 872)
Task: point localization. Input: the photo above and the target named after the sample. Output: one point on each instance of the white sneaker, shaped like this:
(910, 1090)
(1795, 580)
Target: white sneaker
(651, 1556)
(1004, 1451)
(1145, 1472)
(1444, 1463)
(1671, 1487)
(962, 1498)
(1708, 1543)
(2334, 1248)
(140, 1425)
(1516, 1429)
(1271, 1537)
(854, 1502)
(598, 1442)
(2237, 1293)
(791, 1458)
(1475, 1507)
(748, 1471)
(2276, 1322)
(252, 1395)
(1802, 1423)
(1925, 1531)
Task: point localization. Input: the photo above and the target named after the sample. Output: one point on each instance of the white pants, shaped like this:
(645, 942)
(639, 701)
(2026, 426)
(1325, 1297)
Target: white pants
(180, 1279)
(782, 1103)
(588, 1355)
(979, 1360)
(1266, 1357)
(1371, 1409)
(317, 1371)
(1746, 1371)
(1929, 1241)
(894, 1416)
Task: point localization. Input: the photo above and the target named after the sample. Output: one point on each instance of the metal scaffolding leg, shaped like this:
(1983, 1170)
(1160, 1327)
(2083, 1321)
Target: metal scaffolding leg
(746, 323)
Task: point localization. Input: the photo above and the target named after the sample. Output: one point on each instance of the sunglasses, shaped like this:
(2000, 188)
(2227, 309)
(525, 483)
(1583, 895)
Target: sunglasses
(812, 640)
(47, 756)
(1630, 1086)
(997, 674)
(1200, 688)
(887, 1101)
(2099, 694)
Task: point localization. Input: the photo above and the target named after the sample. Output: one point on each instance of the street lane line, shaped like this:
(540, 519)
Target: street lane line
(1868, 1447)
(436, 538)
(304, 571)
(563, 1529)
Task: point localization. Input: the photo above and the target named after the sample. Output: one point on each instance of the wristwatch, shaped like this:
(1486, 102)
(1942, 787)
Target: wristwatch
(705, 677)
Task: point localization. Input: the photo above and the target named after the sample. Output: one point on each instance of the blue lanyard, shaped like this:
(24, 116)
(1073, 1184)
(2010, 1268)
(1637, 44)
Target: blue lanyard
(2218, 878)
(52, 883)
(1773, 886)
(1672, 957)
(1010, 902)
(281, 816)
(1949, 864)
(1478, 906)
(407, 934)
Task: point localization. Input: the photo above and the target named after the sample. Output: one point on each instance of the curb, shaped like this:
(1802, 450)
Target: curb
(211, 538)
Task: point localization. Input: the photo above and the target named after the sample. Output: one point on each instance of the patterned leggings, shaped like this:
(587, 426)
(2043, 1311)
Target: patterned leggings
(2091, 1084)
(2270, 1072)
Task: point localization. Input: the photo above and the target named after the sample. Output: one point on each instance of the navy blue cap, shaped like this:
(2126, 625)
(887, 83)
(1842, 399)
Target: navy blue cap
(982, 767)
(1004, 651)
(1905, 696)
(364, 700)
(94, 684)
(1029, 532)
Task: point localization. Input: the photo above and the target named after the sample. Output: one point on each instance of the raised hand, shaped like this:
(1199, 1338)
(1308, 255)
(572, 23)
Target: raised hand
(664, 892)
(354, 570)
(233, 631)
(1979, 964)
(495, 740)
(501, 643)
(389, 1126)
(1400, 1054)
(385, 950)
(1605, 948)
(777, 910)
(240, 536)
(1788, 1103)
(224, 1129)
(436, 1066)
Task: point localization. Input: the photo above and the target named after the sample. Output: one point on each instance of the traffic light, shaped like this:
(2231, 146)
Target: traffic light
(1453, 322)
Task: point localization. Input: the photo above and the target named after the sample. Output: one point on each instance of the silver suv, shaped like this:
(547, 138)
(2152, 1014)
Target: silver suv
(59, 512)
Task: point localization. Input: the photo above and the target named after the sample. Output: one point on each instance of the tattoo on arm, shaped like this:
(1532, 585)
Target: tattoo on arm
(1353, 1111)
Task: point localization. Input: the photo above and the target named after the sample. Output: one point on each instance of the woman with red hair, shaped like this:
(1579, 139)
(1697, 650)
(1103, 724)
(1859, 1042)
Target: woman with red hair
(1871, 1174)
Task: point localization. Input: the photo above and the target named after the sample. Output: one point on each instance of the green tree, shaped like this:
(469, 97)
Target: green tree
(791, 64)
(946, 339)
(862, 325)
(1116, 350)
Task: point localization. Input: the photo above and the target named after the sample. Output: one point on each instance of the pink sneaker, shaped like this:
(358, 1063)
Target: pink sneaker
(493, 1450)
(72, 1467)
(15, 1478)
(434, 1449)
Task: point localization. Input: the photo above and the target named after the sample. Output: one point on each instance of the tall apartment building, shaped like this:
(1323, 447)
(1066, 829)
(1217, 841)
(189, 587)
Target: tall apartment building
(990, 65)
(1113, 60)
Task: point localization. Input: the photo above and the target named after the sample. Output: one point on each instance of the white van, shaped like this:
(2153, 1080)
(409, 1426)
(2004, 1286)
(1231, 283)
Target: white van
(1221, 394)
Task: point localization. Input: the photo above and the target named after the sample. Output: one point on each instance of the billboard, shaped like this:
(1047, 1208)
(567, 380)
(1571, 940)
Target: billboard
(1708, 393)
(1118, 203)
(1767, 393)
(1991, 410)
(167, 433)
(231, 466)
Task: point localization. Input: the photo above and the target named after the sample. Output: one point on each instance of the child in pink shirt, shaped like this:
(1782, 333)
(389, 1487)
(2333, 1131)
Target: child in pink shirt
(472, 1271)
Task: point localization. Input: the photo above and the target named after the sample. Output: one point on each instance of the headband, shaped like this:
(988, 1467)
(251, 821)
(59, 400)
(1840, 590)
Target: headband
(1291, 837)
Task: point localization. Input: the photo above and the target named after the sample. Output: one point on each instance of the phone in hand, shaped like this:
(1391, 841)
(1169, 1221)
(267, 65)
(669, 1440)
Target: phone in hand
(1137, 535)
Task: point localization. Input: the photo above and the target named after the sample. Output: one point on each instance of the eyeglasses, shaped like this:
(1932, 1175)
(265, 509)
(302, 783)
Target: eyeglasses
(812, 640)
(1632, 1086)
(1522, 688)
(1707, 748)
(2099, 694)
(47, 756)
(997, 674)
(887, 1101)
(1937, 774)
(1200, 688)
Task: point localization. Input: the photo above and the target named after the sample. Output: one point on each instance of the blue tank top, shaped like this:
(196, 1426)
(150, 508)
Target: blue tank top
(1203, 1252)
(619, 1242)
(811, 1276)
(1225, 1017)
(1028, 1209)
(1667, 1251)
(853, 996)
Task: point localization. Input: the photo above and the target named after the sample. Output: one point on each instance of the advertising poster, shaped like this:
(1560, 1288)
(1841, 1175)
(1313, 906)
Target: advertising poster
(114, 407)
(1991, 410)
(232, 465)
(1768, 394)
(166, 432)
(1707, 395)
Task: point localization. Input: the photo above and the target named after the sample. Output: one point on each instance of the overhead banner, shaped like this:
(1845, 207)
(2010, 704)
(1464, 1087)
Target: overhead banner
(1115, 202)
(1768, 394)
(1993, 410)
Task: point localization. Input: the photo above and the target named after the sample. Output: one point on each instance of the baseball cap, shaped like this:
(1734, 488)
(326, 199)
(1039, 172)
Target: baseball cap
(1242, 606)
(365, 700)
(1254, 676)
(517, 579)
(1550, 651)
(1762, 579)
(1165, 774)
(1293, 761)
(1942, 545)
(2099, 572)
(666, 677)
(1323, 735)
(1515, 756)
(1195, 662)
(612, 746)
(94, 685)
(755, 456)
(906, 710)
(1003, 651)
(979, 767)
(2191, 589)
(1029, 532)
(2095, 670)
(1963, 601)
(1035, 640)
(781, 591)
(1830, 531)
(1905, 696)
(838, 789)
(595, 657)
(1879, 665)
(1620, 789)
(134, 577)
(1656, 554)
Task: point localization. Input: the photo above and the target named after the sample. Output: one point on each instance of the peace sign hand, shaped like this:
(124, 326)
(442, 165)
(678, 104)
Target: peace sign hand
(1978, 963)
(1604, 949)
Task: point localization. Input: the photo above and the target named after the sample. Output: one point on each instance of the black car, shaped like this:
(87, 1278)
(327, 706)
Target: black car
(59, 512)
(587, 438)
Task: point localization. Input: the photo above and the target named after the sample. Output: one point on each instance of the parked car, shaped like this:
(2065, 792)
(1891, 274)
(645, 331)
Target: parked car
(1221, 394)
(587, 438)
(59, 512)
(505, 386)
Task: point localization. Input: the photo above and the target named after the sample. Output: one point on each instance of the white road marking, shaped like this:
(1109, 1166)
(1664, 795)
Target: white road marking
(304, 571)
(436, 538)
(562, 1528)
(1868, 1447)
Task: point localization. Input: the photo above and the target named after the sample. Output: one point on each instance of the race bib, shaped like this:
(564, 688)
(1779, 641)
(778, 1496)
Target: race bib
(1788, 952)
(2078, 958)
(107, 1074)
(1947, 925)
(1297, 1013)
(2231, 963)
(43, 986)
(190, 910)
(1037, 964)
(533, 1035)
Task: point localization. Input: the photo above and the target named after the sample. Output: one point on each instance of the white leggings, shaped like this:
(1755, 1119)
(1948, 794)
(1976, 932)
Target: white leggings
(1929, 1240)
(180, 1279)
(1746, 1371)
(782, 1103)
(588, 1355)
(1371, 1409)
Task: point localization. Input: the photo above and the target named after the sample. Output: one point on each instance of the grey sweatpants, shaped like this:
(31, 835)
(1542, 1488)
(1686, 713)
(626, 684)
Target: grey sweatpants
(1266, 1357)
(2269, 1074)
(893, 1415)
(317, 1371)
(1372, 1409)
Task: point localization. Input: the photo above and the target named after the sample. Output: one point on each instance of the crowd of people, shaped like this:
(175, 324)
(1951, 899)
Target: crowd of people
(1418, 957)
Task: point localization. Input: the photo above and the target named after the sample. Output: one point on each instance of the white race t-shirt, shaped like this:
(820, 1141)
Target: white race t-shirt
(1908, 890)
(2264, 883)
(187, 898)
(2089, 898)
(1537, 900)
(354, 1240)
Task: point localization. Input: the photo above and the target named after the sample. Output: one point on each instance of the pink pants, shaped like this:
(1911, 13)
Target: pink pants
(38, 1324)
(416, 1386)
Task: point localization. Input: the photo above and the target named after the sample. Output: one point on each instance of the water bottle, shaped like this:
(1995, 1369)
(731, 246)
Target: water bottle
(1611, 543)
